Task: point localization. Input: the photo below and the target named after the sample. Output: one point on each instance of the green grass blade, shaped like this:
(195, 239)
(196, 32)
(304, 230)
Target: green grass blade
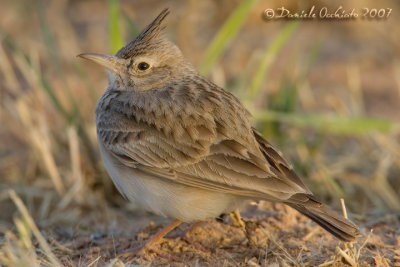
(269, 57)
(286, 98)
(311, 59)
(331, 123)
(116, 37)
(225, 36)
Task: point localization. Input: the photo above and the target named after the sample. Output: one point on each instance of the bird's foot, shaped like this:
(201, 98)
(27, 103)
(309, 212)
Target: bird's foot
(237, 219)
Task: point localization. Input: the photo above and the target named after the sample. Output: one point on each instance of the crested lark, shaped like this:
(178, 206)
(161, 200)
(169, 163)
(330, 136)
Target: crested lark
(183, 147)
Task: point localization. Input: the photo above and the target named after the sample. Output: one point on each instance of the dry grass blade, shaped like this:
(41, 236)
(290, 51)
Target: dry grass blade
(363, 245)
(116, 263)
(381, 184)
(344, 211)
(39, 137)
(8, 73)
(76, 177)
(31, 224)
(14, 252)
(95, 261)
(347, 257)
(396, 70)
(354, 85)
(327, 263)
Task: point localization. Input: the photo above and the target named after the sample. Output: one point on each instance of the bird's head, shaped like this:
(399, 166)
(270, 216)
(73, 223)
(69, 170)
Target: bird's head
(147, 62)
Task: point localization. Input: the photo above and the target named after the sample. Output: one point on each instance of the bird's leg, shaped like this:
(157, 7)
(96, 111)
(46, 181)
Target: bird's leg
(247, 226)
(152, 241)
(157, 237)
(235, 215)
(190, 229)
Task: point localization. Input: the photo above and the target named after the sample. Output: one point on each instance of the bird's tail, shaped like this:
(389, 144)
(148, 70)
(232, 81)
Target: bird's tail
(331, 221)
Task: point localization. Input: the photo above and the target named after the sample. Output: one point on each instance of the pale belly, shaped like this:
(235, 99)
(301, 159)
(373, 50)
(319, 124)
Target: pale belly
(167, 198)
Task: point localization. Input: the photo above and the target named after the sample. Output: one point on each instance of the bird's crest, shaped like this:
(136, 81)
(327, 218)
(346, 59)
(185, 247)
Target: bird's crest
(147, 39)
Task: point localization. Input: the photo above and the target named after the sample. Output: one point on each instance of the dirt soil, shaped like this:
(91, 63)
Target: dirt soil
(276, 236)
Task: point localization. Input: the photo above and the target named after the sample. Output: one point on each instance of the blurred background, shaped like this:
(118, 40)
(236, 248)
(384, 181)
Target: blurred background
(325, 92)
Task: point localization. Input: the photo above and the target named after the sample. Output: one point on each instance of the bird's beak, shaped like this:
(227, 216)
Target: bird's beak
(109, 62)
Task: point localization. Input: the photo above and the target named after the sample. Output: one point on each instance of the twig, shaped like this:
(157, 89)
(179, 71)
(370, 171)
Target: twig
(343, 208)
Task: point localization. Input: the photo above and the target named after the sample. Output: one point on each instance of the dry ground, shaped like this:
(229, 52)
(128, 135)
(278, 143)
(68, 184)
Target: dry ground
(277, 236)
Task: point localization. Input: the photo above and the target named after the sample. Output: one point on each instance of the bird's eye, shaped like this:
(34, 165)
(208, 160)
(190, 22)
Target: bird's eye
(143, 66)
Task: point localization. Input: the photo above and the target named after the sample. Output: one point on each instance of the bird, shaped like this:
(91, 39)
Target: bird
(182, 147)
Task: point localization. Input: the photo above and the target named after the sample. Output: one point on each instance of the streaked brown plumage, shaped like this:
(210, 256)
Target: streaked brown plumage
(183, 147)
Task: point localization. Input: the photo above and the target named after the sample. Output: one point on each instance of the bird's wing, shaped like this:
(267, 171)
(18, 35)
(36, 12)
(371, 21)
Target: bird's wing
(216, 149)
(227, 167)
(279, 165)
(230, 165)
